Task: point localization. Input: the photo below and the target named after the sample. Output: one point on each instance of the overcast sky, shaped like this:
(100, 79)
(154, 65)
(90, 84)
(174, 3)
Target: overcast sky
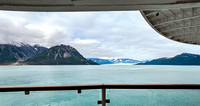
(93, 34)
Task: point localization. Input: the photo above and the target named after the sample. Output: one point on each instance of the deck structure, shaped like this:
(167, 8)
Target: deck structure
(178, 20)
(103, 87)
(181, 24)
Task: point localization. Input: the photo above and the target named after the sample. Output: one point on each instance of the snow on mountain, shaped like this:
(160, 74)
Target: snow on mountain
(115, 61)
(11, 53)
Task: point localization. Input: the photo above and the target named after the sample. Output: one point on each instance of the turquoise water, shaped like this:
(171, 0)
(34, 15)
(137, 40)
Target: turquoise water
(119, 74)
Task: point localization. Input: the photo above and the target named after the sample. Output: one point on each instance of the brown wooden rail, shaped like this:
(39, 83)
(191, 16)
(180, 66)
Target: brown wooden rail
(27, 89)
(97, 86)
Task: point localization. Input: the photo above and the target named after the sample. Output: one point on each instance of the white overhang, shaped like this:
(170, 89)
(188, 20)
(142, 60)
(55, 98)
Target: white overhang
(93, 5)
(182, 24)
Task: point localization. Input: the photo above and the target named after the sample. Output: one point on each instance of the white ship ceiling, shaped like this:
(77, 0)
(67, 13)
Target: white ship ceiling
(178, 20)
(182, 25)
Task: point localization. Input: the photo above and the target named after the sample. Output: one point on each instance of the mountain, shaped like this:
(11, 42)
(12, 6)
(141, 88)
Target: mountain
(182, 59)
(125, 60)
(100, 61)
(10, 53)
(115, 61)
(32, 50)
(59, 55)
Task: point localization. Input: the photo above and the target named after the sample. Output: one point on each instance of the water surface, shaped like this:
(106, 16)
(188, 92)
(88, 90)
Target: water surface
(103, 74)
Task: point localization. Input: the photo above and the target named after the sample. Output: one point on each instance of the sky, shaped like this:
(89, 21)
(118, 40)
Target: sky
(122, 34)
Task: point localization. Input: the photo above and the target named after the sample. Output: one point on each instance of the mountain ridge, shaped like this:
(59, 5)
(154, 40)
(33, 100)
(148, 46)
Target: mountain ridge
(67, 55)
(59, 55)
(181, 59)
(10, 53)
(115, 61)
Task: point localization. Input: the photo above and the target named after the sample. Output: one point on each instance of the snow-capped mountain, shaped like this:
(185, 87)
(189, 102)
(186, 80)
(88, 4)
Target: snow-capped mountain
(125, 60)
(10, 53)
(18, 44)
(115, 61)
(100, 61)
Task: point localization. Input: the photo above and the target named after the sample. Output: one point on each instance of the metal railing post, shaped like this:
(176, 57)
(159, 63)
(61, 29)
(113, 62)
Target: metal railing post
(103, 97)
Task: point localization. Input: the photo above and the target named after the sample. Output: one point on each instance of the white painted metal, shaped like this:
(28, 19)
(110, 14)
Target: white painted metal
(94, 5)
(182, 25)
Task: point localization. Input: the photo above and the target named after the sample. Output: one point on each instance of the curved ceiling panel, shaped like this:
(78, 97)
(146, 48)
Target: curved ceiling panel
(182, 25)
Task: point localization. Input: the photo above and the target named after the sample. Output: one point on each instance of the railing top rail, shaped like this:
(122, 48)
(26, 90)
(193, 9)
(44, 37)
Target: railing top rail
(97, 86)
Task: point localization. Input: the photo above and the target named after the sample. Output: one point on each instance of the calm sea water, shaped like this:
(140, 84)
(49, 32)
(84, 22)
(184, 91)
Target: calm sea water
(119, 74)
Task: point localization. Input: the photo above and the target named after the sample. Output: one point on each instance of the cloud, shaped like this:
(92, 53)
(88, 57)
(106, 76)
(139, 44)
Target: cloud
(93, 34)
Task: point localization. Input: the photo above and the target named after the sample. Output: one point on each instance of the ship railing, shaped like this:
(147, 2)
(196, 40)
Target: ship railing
(103, 87)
